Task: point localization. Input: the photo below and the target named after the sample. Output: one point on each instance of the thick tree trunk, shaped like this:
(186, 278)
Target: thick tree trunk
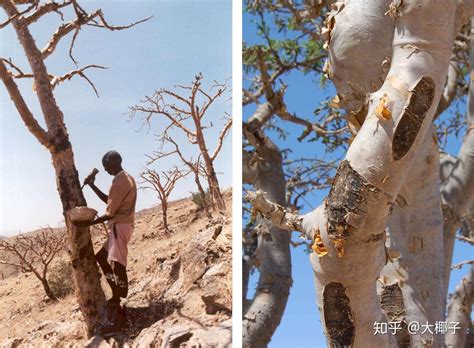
(87, 279)
(263, 313)
(353, 218)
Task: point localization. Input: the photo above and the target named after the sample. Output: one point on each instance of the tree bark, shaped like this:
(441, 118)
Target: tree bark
(459, 311)
(353, 218)
(263, 313)
(47, 290)
(210, 172)
(164, 209)
(415, 230)
(458, 188)
(89, 293)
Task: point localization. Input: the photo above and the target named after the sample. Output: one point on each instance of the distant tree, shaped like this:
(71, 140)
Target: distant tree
(34, 254)
(186, 113)
(22, 14)
(163, 185)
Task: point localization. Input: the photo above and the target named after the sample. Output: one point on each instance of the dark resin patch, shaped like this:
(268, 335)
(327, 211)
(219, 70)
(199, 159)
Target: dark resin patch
(410, 123)
(394, 309)
(338, 317)
(60, 142)
(346, 196)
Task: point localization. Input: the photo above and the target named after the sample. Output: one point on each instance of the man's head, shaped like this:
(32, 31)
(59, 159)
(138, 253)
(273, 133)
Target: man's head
(112, 162)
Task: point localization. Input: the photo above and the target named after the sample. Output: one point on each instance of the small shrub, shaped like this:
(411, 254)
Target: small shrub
(60, 278)
(200, 199)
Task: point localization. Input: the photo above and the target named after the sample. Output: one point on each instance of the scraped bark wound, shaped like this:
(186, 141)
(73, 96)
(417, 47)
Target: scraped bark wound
(420, 101)
(394, 308)
(338, 316)
(344, 203)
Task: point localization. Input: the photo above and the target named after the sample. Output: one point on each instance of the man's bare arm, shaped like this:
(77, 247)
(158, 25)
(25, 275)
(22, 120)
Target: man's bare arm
(103, 197)
(99, 220)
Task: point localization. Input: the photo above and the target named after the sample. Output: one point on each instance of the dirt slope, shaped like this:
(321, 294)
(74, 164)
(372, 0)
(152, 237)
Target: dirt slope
(180, 289)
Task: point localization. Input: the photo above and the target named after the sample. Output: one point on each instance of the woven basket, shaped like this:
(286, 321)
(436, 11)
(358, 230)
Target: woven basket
(82, 214)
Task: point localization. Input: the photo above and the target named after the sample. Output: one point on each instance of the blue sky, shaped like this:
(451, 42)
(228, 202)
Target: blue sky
(182, 39)
(301, 326)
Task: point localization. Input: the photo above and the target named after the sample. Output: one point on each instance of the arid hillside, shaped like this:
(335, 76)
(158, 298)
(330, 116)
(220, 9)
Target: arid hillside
(180, 289)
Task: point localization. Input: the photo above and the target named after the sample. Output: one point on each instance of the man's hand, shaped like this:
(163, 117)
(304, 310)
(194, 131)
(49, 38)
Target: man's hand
(99, 220)
(90, 179)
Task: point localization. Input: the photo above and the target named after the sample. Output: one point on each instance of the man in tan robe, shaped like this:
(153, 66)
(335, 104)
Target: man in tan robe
(120, 216)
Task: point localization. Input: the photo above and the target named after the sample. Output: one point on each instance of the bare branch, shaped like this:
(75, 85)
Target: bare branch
(63, 30)
(105, 25)
(273, 212)
(465, 239)
(463, 263)
(25, 113)
(58, 79)
(222, 135)
(45, 9)
(18, 14)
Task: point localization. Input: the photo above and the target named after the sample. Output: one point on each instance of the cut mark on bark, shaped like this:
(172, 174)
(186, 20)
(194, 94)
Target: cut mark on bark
(407, 129)
(343, 206)
(60, 142)
(338, 317)
(391, 300)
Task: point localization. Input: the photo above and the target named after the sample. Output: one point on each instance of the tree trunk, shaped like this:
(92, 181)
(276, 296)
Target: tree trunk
(210, 173)
(202, 193)
(415, 230)
(352, 220)
(458, 187)
(89, 293)
(263, 314)
(164, 209)
(47, 290)
(459, 311)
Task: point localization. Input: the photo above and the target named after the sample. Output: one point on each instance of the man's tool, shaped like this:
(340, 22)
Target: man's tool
(90, 177)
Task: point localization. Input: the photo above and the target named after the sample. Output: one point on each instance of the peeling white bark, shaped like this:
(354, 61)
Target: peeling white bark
(352, 220)
(415, 230)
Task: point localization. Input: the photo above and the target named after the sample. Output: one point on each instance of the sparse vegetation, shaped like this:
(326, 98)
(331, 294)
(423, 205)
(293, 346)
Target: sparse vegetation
(201, 200)
(34, 254)
(60, 279)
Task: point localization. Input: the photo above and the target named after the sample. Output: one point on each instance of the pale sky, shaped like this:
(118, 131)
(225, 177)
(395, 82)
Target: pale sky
(182, 39)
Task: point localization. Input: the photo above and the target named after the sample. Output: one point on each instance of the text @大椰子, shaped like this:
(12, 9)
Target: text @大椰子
(415, 327)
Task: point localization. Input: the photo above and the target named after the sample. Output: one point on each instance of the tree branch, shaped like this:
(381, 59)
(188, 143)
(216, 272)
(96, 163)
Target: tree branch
(463, 263)
(45, 9)
(25, 113)
(273, 212)
(222, 135)
(459, 310)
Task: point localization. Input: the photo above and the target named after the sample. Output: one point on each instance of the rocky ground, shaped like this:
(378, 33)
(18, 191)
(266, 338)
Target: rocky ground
(180, 289)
